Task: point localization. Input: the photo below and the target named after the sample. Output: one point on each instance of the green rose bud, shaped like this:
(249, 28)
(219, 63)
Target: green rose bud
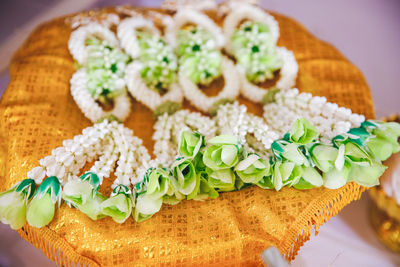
(223, 152)
(119, 205)
(184, 175)
(385, 140)
(356, 154)
(202, 190)
(326, 157)
(309, 179)
(13, 203)
(77, 192)
(292, 153)
(83, 194)
(366, 175)
(266, 182)
(190, 144)
(281, 173)
(381, 148)
(42, 207)
(303, 132)
(223, 180)
(252, 169)
(150, 193)
(335, 178)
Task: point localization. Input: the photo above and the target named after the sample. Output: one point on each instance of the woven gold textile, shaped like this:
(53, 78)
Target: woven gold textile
(37, 113)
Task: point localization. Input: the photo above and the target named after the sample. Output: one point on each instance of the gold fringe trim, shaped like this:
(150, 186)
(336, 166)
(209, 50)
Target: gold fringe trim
(316, 214)
(58, 250)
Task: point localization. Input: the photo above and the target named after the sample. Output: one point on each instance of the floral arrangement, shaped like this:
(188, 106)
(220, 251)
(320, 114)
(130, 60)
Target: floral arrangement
(302, 141)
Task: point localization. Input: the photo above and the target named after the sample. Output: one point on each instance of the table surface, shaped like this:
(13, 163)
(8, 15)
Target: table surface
(365, 31)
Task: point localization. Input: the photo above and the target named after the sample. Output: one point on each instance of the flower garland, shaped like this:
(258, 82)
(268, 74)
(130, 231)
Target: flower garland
(200, 59)
(151, 79)
(203, 169)
(253, 45)
(187, 15)
(206, 103)
(101, 78)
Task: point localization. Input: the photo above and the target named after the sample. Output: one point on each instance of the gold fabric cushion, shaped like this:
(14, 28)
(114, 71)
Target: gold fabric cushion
(37, 113)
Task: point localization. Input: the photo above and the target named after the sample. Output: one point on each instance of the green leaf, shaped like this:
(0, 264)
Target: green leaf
(27, 186)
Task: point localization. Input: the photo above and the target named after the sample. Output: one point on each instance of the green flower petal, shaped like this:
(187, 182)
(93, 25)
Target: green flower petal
(147, 205)
(223, 180)
(157, 181)
(303, 132)
(223, 154)
(77, 191)
(281, 172)
(367, 175)
(312, 176)
(119, 207)
(382, 148)
(184, 176)
(202, 190)
(252, 169)
(335, 178)
(190, 144)
(92, 207)
(324, 157)
(293, 154)
(40, 211)
(13, 208)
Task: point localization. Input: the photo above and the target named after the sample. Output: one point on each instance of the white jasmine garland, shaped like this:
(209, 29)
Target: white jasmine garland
(152, 99)
(251, 130)
(287, 80)
(77, 40)
(201, 100)
(127, 33)
(328, 118)
(90, 108)
(132, 155)
(190, 16)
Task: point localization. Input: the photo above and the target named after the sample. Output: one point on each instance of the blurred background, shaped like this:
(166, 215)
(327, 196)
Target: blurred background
(367, 32)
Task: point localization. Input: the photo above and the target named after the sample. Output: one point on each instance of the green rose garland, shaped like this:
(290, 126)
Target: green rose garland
(221, 164)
